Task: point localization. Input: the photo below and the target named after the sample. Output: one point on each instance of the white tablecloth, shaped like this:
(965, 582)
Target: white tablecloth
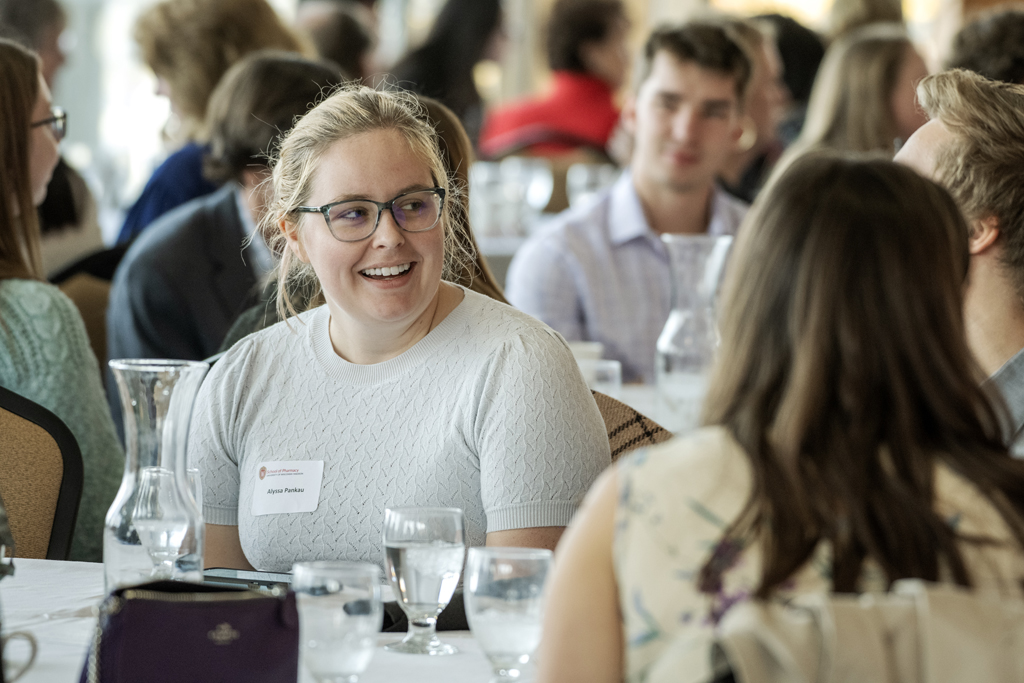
(54, 602)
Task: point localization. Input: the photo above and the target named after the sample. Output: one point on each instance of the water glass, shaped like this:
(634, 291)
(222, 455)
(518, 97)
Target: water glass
(505, 605)
(603, 375)
(160, 519)
(424, 551)
(340, 614)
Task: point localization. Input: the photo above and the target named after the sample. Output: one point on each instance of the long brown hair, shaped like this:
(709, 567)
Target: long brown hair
(845, 375)
(19, 224)
(850, 107)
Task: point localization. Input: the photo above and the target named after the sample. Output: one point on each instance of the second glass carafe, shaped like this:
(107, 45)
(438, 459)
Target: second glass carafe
(687, 344)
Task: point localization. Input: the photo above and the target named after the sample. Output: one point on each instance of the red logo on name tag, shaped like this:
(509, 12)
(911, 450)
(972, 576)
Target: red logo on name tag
(263, 472)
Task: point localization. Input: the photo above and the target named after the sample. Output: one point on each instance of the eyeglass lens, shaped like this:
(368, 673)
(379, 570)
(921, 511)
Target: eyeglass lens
(58, 122)
(414, 212)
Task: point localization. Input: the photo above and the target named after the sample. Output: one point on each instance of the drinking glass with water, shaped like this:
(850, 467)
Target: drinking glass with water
(424, 551)
(340, 614)
(505, 604)
(160, 519)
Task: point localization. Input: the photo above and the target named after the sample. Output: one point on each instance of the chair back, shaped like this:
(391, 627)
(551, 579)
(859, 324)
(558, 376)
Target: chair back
(90, 295)
(627, 429)
(41, 484)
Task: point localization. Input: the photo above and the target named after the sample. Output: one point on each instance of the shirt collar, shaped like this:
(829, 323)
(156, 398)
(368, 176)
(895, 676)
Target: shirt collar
(627, 220)
(261, 256)
(1009, 379)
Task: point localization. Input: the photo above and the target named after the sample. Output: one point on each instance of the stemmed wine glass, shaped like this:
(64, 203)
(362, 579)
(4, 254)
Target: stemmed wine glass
(340, 614)
(424, 551)
(504, 605)
(160, 519)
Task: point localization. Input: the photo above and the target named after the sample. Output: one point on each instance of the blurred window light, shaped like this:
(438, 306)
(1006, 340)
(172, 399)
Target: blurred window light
(814, 13)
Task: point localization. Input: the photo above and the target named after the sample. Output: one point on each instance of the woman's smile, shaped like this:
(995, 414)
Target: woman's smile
(389, 276)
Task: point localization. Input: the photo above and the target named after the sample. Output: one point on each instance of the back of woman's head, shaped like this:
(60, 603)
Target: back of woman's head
(851, 101)
(442, 66)
(465, 27)
(255, 103)
(340, 34)
(19, 88)
(352, 110)
(573, 24)
(849, 15)
(191, 43)
(845, 375)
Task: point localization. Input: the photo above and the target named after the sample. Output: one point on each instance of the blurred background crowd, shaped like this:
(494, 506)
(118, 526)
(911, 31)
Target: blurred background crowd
(136, 90)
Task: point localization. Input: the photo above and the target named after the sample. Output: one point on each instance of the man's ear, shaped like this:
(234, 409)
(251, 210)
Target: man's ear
(291, 233)
(984, 233)
(744, 132)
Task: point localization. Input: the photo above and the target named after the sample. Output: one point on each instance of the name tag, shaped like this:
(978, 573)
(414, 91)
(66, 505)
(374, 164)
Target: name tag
(286, 487)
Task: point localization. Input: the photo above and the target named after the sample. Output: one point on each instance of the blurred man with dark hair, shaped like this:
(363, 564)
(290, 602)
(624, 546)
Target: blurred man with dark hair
(992, 45)
(600, 272)
(589, 55)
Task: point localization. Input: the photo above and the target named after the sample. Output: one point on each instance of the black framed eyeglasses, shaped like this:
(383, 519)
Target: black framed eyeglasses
(58, 122)
(356, 219)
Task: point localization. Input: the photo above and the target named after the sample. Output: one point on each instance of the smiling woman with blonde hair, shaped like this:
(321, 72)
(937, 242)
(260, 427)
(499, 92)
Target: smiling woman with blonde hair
(403, 388)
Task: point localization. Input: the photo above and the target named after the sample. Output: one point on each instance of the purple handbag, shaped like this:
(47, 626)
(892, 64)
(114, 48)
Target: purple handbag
(171, 631)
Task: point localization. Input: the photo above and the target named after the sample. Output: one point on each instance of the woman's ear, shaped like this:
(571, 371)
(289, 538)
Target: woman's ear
(291, 233)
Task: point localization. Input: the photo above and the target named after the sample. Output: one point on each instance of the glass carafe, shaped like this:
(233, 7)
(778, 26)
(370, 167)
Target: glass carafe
(687, 344)
(154, 528)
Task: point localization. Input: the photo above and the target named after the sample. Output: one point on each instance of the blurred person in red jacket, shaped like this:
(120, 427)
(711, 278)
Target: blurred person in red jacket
(590, 57)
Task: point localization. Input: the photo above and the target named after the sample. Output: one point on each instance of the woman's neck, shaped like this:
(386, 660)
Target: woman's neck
(364, 344)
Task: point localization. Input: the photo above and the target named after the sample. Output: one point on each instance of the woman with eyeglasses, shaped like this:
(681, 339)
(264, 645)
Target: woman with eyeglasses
(44, 352)
(69, 228)
(403, 389)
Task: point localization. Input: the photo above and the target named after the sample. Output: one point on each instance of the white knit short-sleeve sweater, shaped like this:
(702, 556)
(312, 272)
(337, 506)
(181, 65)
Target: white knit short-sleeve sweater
(488, 412)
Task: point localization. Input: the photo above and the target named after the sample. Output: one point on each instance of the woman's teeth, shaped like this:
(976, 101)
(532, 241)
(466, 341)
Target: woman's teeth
(388, 271)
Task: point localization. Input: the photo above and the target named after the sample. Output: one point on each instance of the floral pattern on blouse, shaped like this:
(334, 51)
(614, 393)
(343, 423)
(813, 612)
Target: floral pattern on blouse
(676, 501)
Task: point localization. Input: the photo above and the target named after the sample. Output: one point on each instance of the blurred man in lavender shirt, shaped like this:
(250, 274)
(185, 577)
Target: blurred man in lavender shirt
(600, 272)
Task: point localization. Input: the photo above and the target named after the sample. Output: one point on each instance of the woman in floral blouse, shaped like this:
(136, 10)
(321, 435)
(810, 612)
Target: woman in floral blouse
(847, 444)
